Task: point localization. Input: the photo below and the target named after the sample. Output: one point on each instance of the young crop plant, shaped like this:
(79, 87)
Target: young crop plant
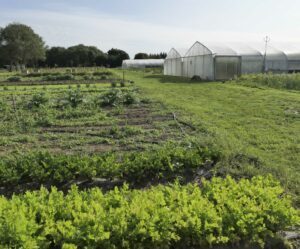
(116, 96)
(38, 99)
(74, 97)
(223, 214)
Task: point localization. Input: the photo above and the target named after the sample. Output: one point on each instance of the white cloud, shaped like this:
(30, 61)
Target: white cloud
(106, 31)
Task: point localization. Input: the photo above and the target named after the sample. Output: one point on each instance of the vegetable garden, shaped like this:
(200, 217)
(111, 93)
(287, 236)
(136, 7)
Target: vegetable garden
(89, 160)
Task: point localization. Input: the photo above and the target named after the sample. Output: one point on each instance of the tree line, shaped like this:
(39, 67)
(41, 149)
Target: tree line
(21, 46)
(161, 55)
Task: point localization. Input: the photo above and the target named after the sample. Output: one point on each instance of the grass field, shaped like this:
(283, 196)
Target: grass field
(257, 129)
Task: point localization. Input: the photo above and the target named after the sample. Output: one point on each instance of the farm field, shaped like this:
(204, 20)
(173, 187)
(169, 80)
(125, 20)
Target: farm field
(133, 154)
(256, 127)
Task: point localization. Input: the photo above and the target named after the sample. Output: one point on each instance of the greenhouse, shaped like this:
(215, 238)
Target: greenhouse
(292, 53)
(211, 62)
(143, 63)
(173, 62)
(252, 60)
(215, 61)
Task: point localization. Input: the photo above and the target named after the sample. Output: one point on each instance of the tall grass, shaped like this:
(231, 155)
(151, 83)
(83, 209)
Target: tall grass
(279, 81)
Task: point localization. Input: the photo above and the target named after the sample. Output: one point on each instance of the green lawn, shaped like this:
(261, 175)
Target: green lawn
(257, 130)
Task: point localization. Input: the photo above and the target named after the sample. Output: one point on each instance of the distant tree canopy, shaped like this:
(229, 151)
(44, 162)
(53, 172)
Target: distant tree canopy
(161, 55)
(116, 57)
(20, 45)
(141, 56)
(81, 55)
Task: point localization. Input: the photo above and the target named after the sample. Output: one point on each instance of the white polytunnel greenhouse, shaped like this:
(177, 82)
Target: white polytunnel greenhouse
(173, 62)
(143, 63)
(211, 62)
(222, 61)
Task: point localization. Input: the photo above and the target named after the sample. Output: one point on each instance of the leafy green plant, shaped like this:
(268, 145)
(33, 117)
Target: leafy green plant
(112, 97)
(115, 97)
(38, 99)
(167, 163)
(74, 97)
(225, 212)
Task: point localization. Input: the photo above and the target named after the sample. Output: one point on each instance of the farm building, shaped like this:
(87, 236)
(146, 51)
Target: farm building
(211, 62)
(173, 62)
(215, 61)
(143, 63)
(292, 53)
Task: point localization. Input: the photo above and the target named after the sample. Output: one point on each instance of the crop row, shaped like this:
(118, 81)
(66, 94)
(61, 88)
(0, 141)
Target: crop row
(166, 163)
(222, 212)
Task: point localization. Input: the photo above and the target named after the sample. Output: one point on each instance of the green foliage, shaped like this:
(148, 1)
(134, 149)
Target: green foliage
(259, 122)
(38, 99)
(280, 81)
(167, 163)
(14, 79)
(164, 217)
(19, 44)
(74, 97)
(122, 84)
(115, 97)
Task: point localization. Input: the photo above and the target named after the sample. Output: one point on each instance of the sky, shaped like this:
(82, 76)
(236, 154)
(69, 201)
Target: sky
(154, 26)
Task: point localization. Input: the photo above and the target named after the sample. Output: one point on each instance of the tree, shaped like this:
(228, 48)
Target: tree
(102, 60)
(141, 56)
(161, 55)
(20, 45)
(116, 57)
(56, 56)
(79, 55)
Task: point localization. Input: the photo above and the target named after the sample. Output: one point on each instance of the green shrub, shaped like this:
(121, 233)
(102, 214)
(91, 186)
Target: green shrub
(130, 98)
(38, 99)
(112, 97)
(74, 98)
(115, 97)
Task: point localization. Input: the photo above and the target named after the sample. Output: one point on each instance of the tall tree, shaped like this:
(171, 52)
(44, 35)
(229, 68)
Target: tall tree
(56, 56)
(141, 56)
(20, 45)
(116, 57)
